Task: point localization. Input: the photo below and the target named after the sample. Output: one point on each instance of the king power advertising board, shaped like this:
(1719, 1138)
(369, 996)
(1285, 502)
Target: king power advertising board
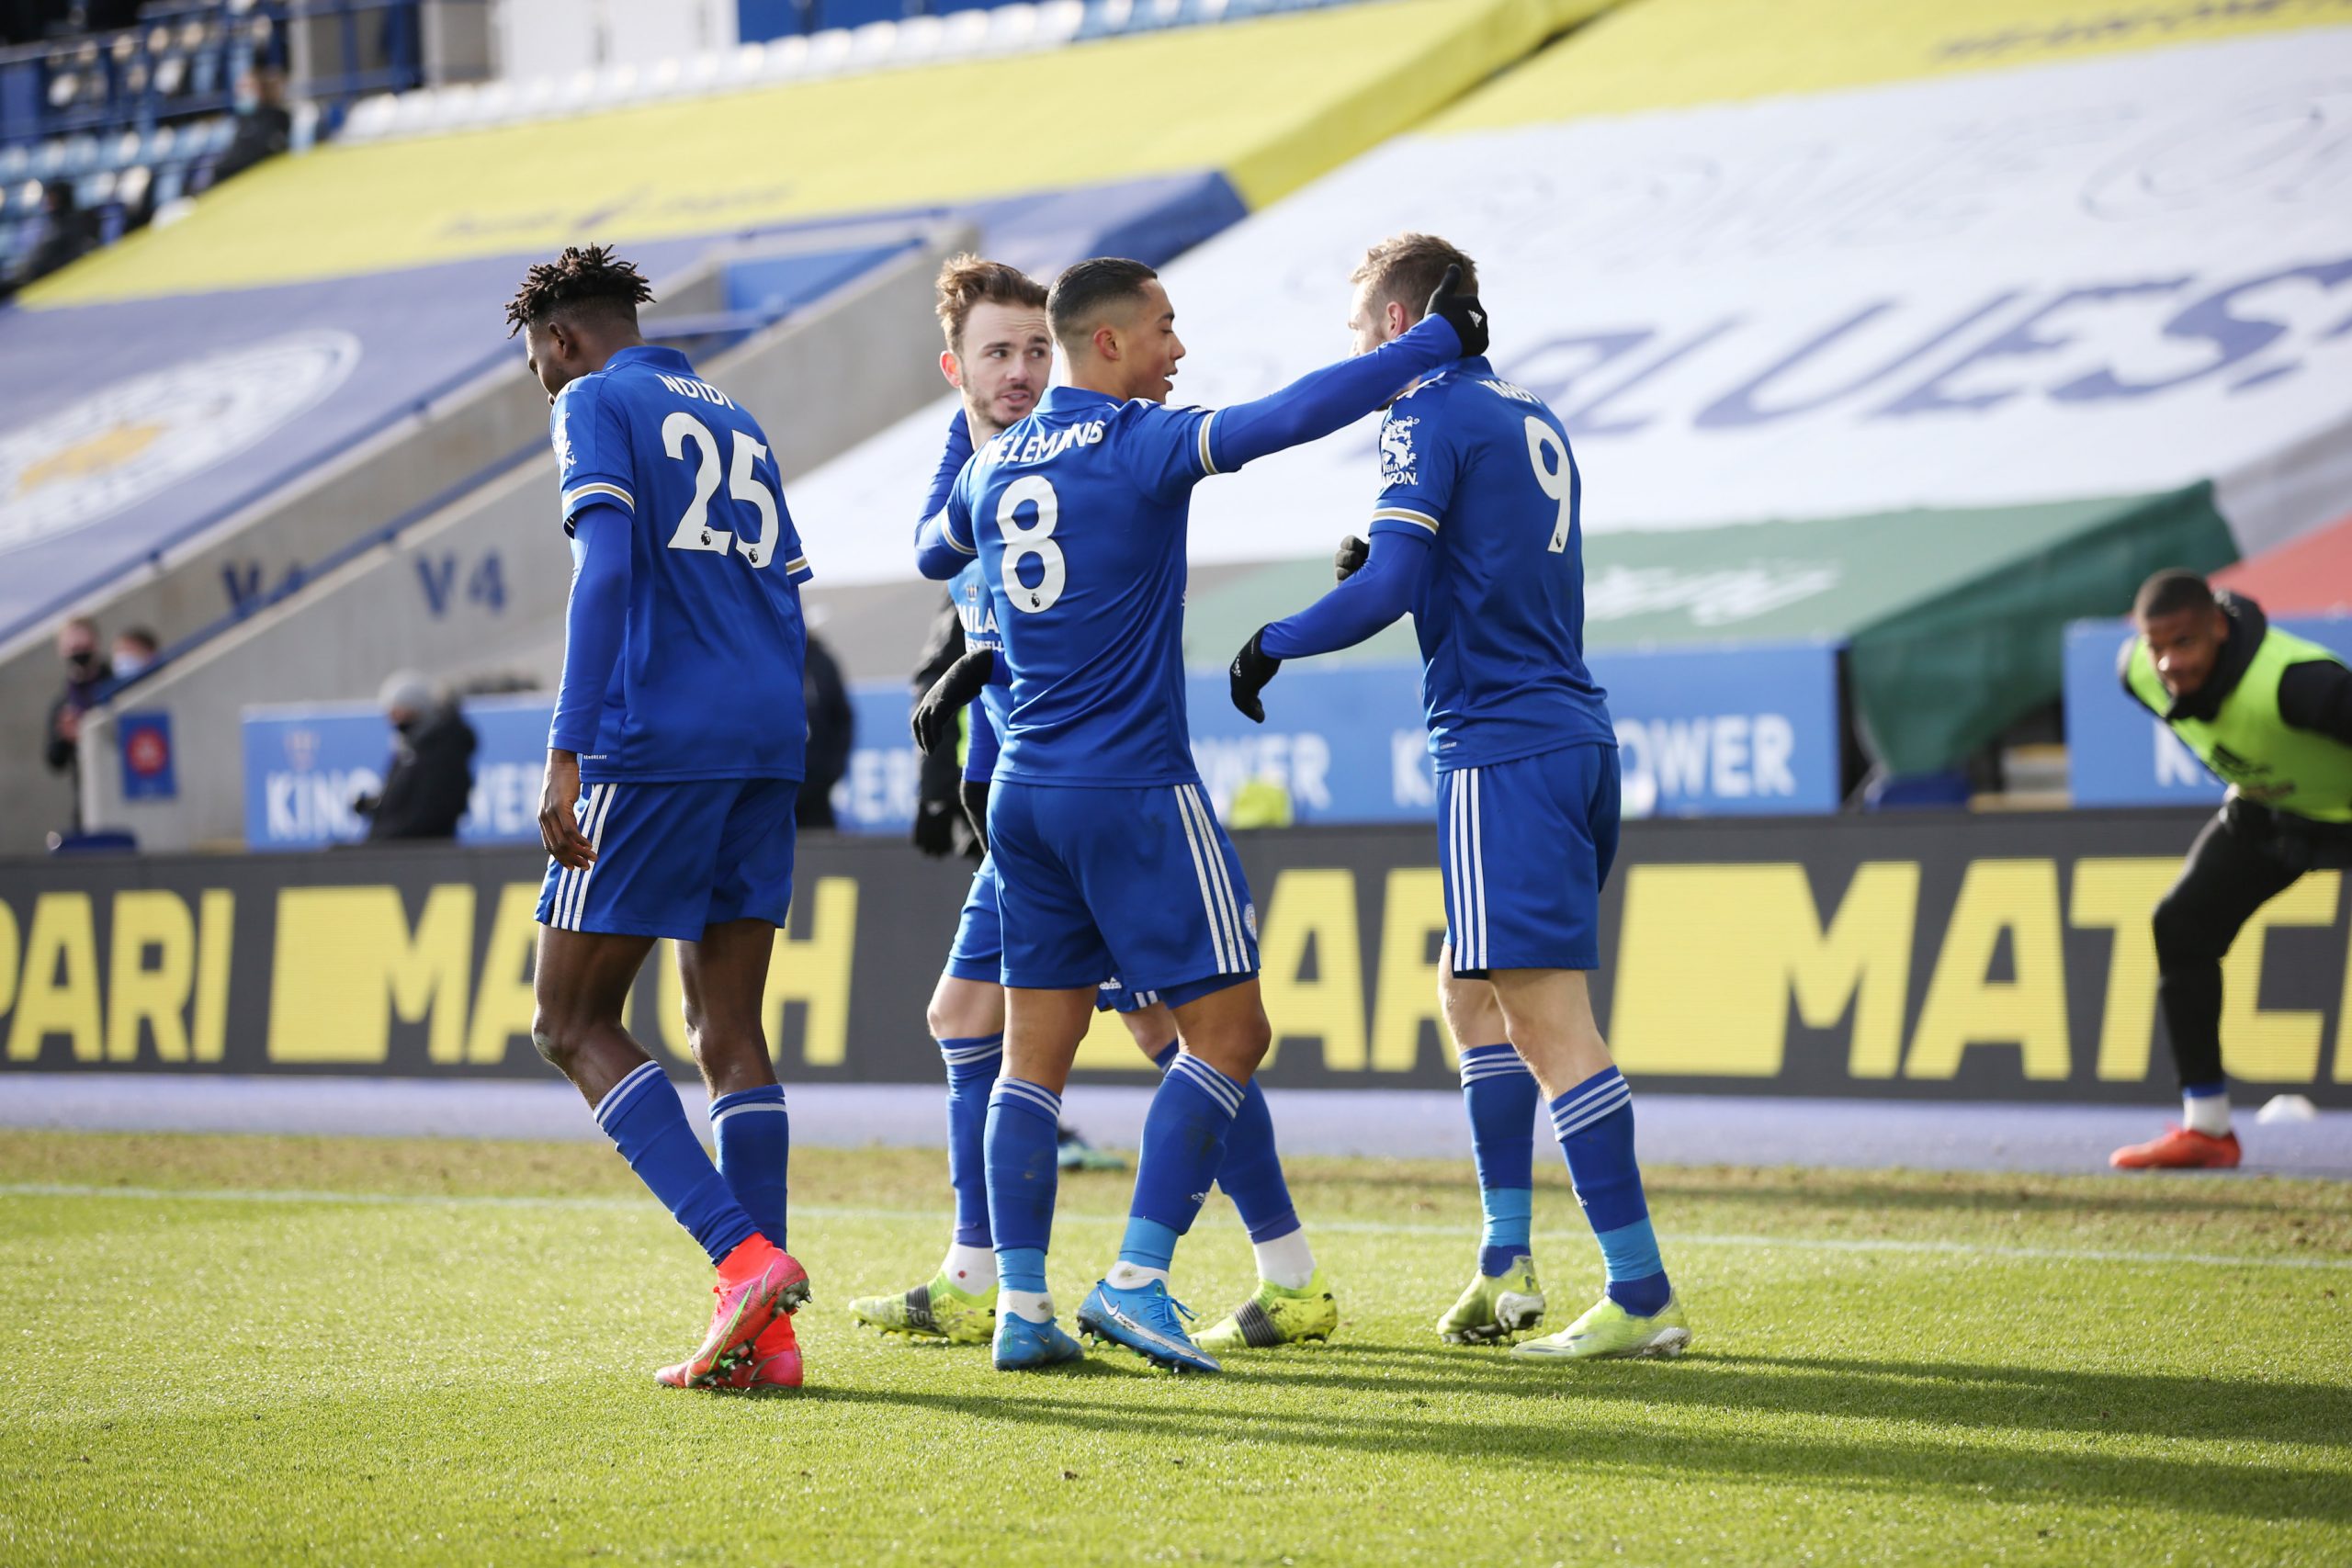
(2118, 753)
(1983, 958)
(1702, 732)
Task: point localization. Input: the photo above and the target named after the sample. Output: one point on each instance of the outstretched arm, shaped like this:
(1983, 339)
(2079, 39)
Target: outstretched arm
(1338, 395)
(1371, 593)
(1370, 600)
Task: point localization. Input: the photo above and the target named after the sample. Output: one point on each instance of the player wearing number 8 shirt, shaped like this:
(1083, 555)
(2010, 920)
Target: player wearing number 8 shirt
(673, 763)
(1109, 860)
(1476, 534)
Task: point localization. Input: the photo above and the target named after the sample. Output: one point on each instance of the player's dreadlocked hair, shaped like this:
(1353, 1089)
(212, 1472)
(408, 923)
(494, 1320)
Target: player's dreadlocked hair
(590, 275)
(966, 280)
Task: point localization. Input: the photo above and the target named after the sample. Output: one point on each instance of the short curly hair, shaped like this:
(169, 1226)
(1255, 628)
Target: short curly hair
(1408, 269)
(585, 277)
(966, 280)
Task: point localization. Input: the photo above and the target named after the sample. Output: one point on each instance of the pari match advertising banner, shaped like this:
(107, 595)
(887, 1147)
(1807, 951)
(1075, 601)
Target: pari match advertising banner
(2121, 754)
(2005, 958)
(1703, 732)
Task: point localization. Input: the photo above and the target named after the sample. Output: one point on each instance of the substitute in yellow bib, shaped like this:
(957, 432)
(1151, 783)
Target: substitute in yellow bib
(2271, 715)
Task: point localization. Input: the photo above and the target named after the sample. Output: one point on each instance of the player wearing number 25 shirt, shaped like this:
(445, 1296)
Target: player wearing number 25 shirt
(673, 763)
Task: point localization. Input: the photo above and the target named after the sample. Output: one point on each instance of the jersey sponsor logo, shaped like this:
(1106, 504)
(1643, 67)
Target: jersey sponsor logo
(138, 437)
(1396, 458)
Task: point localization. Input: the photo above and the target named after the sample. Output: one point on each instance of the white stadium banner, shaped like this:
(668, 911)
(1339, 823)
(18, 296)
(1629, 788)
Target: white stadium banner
(2099, 278)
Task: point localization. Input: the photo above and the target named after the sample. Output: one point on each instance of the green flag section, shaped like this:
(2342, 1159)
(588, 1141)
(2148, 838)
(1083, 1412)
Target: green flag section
(1953, 619)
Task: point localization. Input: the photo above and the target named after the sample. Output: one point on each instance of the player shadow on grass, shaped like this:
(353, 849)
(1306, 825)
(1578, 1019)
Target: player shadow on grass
(2158, 1198)
(1948, 1392)
(1220, 1412)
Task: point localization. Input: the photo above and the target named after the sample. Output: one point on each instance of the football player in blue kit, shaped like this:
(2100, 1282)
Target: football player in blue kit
(999, 355)
(673, 763)
(1477, 533)
(1108, 858)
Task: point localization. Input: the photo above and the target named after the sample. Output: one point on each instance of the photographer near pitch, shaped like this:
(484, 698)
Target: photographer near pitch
(2271, 715)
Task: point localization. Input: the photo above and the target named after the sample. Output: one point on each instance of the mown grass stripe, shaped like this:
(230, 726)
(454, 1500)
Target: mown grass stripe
(1337, 1227)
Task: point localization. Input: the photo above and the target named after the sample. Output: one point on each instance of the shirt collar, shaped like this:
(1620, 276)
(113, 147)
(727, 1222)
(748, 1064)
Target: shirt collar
(1069, 400)
(654, 355)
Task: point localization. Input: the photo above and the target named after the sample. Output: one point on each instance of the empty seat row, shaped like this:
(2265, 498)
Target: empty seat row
(918, 40)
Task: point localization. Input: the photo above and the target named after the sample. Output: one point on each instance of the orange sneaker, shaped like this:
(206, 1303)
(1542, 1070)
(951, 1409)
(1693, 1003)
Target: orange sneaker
(2179, 1149)
(757, 1285)
(773, 1362)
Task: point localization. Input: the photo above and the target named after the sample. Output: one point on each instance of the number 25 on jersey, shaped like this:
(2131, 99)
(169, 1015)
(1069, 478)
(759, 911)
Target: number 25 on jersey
(744, 483)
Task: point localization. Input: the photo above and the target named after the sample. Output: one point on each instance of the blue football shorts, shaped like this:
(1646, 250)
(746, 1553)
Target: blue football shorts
(1140, 883)
(977, 952)
(1526, 848)
(673, 859)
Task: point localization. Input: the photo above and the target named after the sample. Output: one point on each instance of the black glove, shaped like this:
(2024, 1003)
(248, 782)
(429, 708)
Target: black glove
(934, 717)
(974, 793)
(1462, 312)
(1349, 559)
(1252, 668)
(934, 831)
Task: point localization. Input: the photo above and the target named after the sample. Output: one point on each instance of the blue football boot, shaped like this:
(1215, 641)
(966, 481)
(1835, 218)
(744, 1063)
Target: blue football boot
(1147, 1321)
(1022, 1345)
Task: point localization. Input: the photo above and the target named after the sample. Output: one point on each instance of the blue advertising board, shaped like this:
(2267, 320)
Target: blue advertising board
(2117, 752)
(1738, 732)
(1747, 731)
(304, 765)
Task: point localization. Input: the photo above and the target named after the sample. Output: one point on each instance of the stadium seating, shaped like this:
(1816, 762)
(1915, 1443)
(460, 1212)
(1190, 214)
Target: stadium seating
(397, 254)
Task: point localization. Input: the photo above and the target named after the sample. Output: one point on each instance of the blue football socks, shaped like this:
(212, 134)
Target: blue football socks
(1023, 1173)
(643, 1118)
(972, 1066)
(1594, 1122)
(1183, 1146)
(1500, 1095)
(753, 1132)
(1253, 1173)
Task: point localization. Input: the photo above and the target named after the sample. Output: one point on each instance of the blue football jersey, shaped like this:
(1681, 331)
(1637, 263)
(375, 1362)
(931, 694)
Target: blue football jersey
(1077, 517)
(708, 684)
(1483, 468)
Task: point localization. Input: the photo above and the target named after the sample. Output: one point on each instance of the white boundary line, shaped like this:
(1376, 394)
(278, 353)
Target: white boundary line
(1333, 1227)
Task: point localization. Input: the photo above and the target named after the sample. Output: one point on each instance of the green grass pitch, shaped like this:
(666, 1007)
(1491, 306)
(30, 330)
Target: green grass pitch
(349, 1351)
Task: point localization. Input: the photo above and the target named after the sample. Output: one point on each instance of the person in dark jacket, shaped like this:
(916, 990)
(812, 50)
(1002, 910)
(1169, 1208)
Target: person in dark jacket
(431, 776)
(264, 129)
(2269, 714)
(86, 672)
(832, 729)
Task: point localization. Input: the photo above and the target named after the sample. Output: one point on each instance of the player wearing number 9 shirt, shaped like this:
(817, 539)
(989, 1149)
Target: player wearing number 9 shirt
(673, 763)
(1476, 532)
(1108, 858)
